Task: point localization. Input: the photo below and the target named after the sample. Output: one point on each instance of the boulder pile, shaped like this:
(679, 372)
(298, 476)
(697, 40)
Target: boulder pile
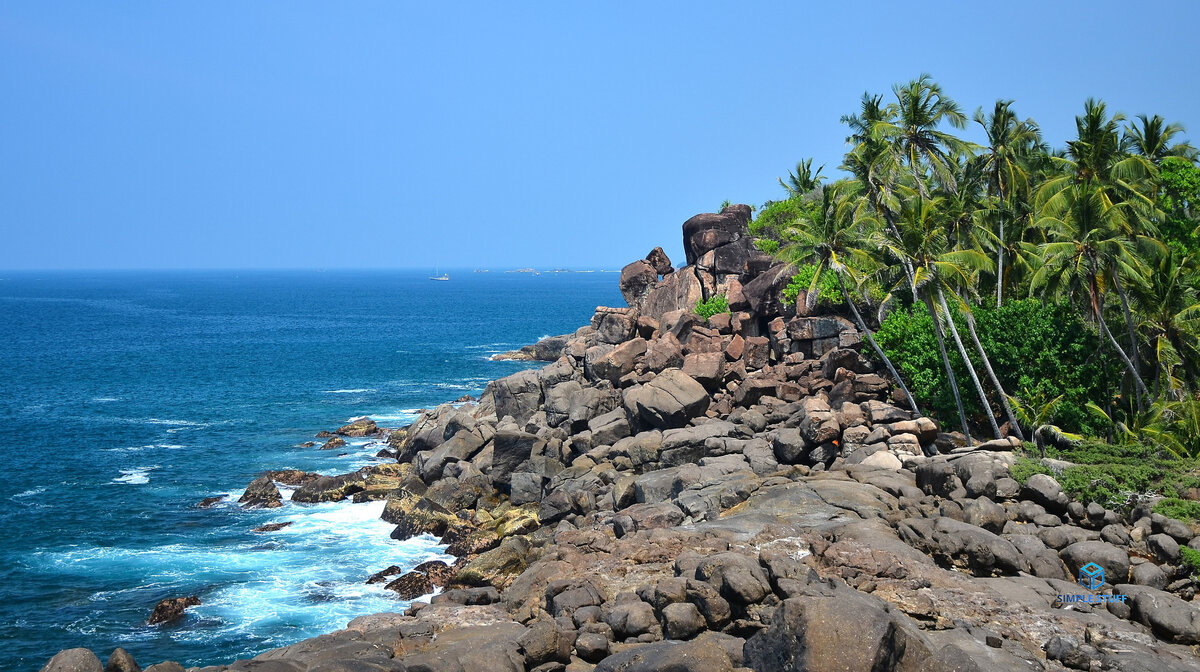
(743, 492)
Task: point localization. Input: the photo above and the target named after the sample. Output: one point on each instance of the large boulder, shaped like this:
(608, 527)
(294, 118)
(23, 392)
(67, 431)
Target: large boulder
(845, 630)
(669, 656)
(614, 325)
(670, 400)
(1114, 560)
(637, 279)
(764, 294)
(518, 395)
(73, 660)
(738, 578)
(614, 363)
(660, 261)
(261, 494)
(330, 488)
(359, 427)
(510, 448)
(708, 231)
(677, 291)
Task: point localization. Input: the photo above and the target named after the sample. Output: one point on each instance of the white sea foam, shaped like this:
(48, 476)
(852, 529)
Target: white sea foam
(135, 476)
(354, 391)
(105, 400)
(32, 492)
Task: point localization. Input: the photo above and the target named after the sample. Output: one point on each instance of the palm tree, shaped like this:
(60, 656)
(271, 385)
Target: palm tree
(1087, 248)
(1168, 302)
(803, 180)
(1153, 138)
(1005, 161)
(911, 132)
(834, 238)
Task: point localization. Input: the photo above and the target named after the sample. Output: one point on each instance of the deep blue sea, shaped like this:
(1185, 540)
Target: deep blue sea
(126, 397)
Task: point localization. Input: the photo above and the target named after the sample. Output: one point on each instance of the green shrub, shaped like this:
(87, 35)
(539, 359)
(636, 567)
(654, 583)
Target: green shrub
(1026, 467)
(1183, 509)
(1191, 559)
(774, 219)
(767, 245)
(713, 306)
(1037, 350)
(828, 292)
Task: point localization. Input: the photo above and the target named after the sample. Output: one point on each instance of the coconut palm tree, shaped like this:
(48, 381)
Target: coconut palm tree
(836, 238)
(1168, 304)
(1088, 247)
(1155, 139)
(1006, 162)
(911, 131)
(803, 180)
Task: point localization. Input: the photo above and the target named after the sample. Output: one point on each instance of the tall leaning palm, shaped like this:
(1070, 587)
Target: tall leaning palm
(1087, 245)
(836, 238)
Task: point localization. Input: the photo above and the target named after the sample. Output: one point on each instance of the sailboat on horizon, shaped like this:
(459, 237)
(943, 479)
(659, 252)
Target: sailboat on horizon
(439, 276)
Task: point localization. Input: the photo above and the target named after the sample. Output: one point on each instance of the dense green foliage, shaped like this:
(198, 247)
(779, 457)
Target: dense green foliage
(1040, 351)
(1113, 475)
(1191, 559)
(709, 307)
(1053, 289)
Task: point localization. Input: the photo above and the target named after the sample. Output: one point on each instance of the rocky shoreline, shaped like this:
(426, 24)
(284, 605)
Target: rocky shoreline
(745, 492)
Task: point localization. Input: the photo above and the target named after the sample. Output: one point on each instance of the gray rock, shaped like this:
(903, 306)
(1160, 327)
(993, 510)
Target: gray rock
(1168, 616)
(1148, 574)
(738, 578)
(1164, 547)
(630, 618)
(1114, 560)
(681, 620)
(73, 660)
(1045, 491)
(668, 401)
(669, 656)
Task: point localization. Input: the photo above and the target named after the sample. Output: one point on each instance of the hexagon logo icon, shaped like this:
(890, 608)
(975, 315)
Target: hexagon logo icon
(1091, 576)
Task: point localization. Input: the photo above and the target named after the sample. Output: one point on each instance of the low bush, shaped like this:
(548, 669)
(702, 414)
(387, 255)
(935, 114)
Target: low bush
(709, 307)
(1183, 509)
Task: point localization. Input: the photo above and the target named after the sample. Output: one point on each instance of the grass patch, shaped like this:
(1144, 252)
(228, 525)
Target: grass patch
(1113, 475)
(1191, 559)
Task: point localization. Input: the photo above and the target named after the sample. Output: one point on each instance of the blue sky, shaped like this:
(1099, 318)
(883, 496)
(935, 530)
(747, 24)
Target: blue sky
(400, 134)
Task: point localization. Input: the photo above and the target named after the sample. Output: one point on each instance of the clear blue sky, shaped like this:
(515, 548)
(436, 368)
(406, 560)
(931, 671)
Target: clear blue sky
(396, 134)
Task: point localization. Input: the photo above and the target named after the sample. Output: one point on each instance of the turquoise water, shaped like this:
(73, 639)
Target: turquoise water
(125, 398)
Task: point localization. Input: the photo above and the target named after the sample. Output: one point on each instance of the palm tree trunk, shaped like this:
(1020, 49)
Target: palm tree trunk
(1133, 344)
(987, 365)
(1137, 379)
(941, 339)
(1000, 267)
(962, 351)
(912, 401)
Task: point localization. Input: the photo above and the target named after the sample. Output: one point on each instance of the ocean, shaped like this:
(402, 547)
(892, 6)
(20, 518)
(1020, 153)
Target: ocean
(127, 397)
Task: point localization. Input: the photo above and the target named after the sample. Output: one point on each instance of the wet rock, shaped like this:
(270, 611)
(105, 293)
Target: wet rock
(333, 443)
(330, 488)
(412, 585)
(261, 494)
(170, 609)
(272, 527)
(208, 502)
(358, 427)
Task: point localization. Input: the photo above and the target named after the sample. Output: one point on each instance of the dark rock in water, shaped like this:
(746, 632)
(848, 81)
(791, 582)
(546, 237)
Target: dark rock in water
(334, 442)
(464, 399)
(383, 574)
(210, 501)
(359, 427)
(261, 494)
(324, 434)
(73, 660)
(437, 571)
(306, 444)
(330, 488)
(292, 477)
(169, 666)
(121, 661)
(171, 609)
(272, 527)
(411, 585)
(385, 453)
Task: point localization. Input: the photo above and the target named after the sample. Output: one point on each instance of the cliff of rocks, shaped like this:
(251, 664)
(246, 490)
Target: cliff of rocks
(744, 492)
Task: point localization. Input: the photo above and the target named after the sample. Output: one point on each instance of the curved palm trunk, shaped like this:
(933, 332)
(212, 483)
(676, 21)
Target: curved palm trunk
(1133, 344)
(962, 351)
(987, 365)
(912, 401)
(941, 339)
(1000, 267)
(1137, 379)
